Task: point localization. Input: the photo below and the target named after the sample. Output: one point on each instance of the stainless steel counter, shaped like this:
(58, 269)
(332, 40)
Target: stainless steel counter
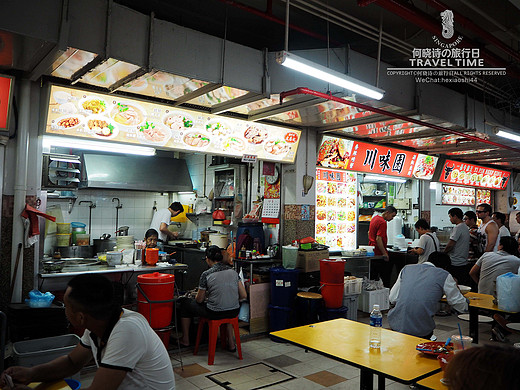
(104, 269)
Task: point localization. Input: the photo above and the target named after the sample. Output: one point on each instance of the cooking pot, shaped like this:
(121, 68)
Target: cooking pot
(103, 245)
(204, 235)
(218, 239)
(83, 251)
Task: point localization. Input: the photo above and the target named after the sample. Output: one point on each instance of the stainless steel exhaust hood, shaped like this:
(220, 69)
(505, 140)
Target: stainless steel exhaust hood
(121, 172)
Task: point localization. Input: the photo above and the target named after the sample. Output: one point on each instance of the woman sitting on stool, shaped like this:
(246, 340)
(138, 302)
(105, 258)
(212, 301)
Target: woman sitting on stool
(223, 289)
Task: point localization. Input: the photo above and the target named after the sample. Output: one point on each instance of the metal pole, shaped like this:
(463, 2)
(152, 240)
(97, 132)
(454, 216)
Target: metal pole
(20, 186)
(286, 46)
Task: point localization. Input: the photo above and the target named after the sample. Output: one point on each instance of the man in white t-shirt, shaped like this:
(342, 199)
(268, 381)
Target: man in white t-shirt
(500, 220)
(128, 353)
(428, 241)
(488, 231)
(161, 220)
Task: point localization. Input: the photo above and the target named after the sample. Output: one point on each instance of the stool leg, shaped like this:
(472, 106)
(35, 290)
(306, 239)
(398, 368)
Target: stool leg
(212, 346)
(199, 335)
(237, 338)
(223, 336)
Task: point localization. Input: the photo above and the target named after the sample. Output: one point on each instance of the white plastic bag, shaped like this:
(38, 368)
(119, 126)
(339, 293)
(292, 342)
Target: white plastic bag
(508, 292)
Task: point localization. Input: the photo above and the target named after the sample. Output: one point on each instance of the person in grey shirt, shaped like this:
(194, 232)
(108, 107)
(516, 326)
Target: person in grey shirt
(458, 247)
(428, 241)
(223, 290)
(493, 264)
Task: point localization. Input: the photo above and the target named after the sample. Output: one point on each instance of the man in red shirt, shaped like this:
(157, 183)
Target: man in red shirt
(377, 237)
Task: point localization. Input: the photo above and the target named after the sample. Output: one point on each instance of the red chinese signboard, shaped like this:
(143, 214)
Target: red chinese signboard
(455, 172)
(6, 88)
(363, 157)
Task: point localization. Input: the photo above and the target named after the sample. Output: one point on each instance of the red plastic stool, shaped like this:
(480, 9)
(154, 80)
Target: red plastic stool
(214, 325)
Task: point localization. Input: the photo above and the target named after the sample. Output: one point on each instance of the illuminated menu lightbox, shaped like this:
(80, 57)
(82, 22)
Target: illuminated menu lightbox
(6, 96)
(342, 153)
(455, 172)
(111, 118)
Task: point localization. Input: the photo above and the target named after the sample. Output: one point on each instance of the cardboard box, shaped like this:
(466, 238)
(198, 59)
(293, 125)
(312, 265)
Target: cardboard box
(309, 261)
(368, 299)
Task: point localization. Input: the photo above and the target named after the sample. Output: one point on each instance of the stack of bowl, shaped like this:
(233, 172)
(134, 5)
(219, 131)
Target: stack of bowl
(125, 244)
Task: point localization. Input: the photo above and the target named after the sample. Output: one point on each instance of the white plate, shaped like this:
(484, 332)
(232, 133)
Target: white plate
(157, 129)
(202, 134)
(103, 108)
(98, 134)
(218, 127)
(178, 121)
(514, 326)
(269, 145)
(465, 317)
(137, 117)
(55, 123)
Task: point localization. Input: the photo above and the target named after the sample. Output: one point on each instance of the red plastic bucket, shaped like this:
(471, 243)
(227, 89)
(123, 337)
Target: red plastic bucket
(156, 287)
(332, 294)
(164, 335)
(332, 271)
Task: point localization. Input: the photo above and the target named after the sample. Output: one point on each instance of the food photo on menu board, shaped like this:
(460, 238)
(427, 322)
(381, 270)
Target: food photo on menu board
(336, 209)
(473, 175)
(455, 195)
(79, 113)
(483, 196)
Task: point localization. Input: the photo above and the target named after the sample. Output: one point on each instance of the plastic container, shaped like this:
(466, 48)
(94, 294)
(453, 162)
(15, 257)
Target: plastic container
(332, 294)
(332, 271)
(82, 239)
(62, 228)
(75, 234)
(114, 258)
(73, 384)
(156, 287)
(280, 317)
(63, 239)
(376, 323)
(352, 285)
(33, 352)
(164, 335)
(152, 256)
(289, 256)
(284, 286)
(351, 301)
(306, 246)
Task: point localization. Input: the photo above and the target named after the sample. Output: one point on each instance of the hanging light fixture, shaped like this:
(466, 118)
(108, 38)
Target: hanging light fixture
(99, 146)
(326, 74)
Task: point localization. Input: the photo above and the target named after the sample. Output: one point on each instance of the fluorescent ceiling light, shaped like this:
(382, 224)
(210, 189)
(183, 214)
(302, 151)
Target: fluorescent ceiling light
(385, 178)
(511, 136)
(185, 192)
(99, 146)
(331, 76)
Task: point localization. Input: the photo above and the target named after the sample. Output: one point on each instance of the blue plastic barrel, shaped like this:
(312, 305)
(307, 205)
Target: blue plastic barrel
(280, 317)
(332, 314)
(284, 286)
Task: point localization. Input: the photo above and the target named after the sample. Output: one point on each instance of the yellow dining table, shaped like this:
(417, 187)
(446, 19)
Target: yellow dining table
(58, 385)
(476, 302)
(433, 382)
(347, 342)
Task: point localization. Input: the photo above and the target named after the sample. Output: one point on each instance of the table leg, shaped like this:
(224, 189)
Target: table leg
(251, 273)
(366, 380)
(381, 382)
(473, 324)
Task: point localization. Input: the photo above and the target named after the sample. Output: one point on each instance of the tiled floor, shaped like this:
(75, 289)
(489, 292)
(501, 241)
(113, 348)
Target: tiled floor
(311, 371)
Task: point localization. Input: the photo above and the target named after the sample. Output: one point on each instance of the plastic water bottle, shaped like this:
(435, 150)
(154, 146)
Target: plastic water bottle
(376, 323)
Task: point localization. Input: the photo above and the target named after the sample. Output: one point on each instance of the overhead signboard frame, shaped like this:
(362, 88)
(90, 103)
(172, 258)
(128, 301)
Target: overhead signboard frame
(98, 116)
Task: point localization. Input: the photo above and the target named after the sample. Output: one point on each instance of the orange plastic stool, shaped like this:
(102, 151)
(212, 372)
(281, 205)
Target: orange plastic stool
(214, 325)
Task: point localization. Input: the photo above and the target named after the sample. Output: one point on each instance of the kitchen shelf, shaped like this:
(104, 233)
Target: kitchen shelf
(224, 197)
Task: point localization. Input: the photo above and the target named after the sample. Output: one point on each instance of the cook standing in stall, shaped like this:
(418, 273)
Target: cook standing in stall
(161, 220)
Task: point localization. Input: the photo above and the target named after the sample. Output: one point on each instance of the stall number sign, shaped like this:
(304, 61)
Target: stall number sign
(249, 158)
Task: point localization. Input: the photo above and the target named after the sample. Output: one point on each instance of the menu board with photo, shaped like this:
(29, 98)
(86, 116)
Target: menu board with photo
(455, 172)
(483, 196)
(336, 209)
(111, 118)
(377, 159)
(460, 196)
